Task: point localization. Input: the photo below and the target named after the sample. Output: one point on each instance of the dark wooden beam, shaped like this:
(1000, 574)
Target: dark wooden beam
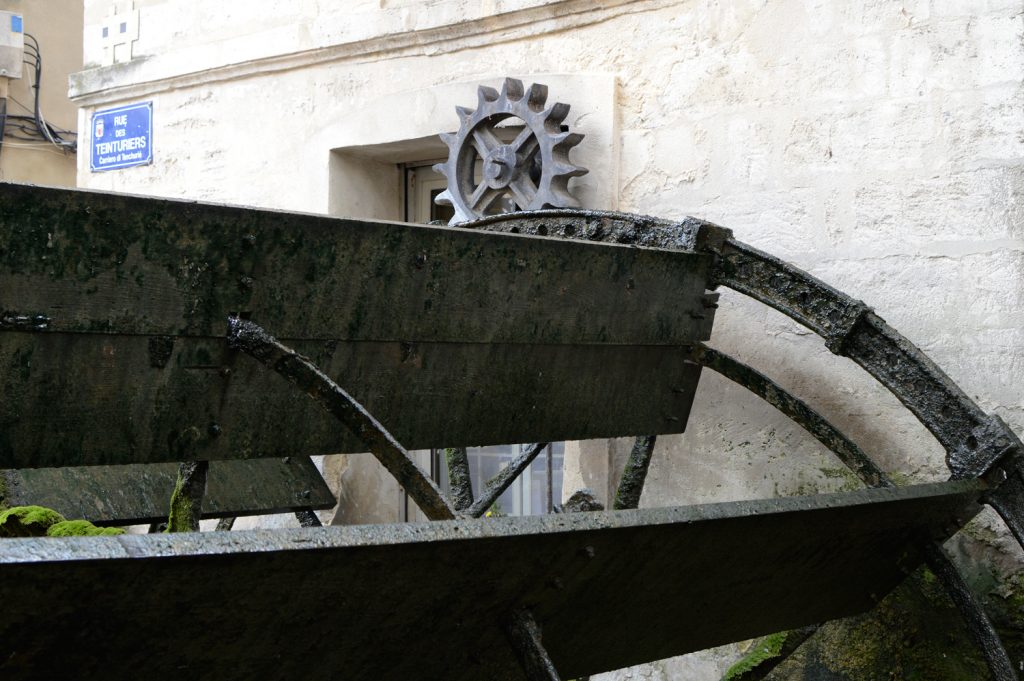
(141, 493)
(90, 262)
(608, 589)
(113, 312)
(96, 399)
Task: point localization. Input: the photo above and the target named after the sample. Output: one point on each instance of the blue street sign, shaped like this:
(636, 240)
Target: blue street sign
(122, 137)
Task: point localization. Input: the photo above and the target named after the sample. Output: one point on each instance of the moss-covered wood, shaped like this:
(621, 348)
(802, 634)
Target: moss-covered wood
(39, 521)
(140, 493)
(708, 575)
(187, 498)
(83, 261)
(113, 311)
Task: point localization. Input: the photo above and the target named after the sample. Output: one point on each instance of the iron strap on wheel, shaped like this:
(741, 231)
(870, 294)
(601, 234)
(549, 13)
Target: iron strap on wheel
(977, 444)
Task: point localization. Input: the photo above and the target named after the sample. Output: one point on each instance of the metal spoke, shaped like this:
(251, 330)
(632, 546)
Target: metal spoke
(974, 615)
(796, 409)
(525, 144)
(859, 463)
(459, 477)
(187, 498)
(634, 475)
(524, 635)
(485, 141)
(250, 338)
(483, 197)
(524, 190)
(307, 518)
(500, 482)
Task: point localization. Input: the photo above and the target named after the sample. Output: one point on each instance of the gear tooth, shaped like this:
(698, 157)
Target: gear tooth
(512, 89)
(440, 168)
(566, 200)
(545, 199)
(449, 139)
(444, 198)
(465, 113)
(537, 97)
(558, 194)
(556, 113)
(566, 140)
(460, 216)
(567, 170)
(486, 94)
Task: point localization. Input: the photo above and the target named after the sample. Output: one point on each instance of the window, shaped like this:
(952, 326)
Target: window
(537, 491)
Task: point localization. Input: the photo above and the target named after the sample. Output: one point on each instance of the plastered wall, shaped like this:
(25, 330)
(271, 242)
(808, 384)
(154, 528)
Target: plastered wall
(57, 27)
(879, 145)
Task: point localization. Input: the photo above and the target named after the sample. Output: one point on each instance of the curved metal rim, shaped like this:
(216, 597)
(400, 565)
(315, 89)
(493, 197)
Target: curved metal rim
(977, 445)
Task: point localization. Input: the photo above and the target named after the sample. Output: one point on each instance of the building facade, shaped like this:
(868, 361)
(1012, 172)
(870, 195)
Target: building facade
(878, 145)
(52, 33)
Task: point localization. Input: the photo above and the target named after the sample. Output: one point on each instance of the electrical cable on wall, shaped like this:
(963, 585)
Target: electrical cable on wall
(3, 121)
(33, 127)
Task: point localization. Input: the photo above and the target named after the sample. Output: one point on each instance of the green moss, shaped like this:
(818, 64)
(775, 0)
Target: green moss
(915, 633)
(836, 473)
(80, 528)
(180, 517)
(901, 479)
(767, 648)
(28, 521)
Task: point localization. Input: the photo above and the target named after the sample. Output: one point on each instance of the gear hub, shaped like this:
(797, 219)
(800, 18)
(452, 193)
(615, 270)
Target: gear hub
(494, 167)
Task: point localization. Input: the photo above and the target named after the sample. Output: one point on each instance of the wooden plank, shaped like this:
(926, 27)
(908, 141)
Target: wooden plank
(428, 601)
(80, 261)
(141, 493)
(100, 399)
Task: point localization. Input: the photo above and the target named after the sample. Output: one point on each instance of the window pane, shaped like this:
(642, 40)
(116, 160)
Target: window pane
(528, 495)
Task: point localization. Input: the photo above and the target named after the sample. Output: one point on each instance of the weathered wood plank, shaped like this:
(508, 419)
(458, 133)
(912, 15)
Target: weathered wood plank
(140, 493)
(95, 262)
(609, 589)
(88, 399)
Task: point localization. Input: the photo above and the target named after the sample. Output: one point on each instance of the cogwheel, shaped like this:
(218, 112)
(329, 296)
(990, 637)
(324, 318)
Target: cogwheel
(487, 176)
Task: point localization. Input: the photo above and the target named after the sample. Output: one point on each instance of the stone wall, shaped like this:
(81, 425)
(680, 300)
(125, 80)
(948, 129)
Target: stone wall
(878, 145)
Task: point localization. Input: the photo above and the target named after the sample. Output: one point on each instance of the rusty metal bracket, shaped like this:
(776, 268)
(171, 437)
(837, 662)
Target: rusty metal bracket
(250, 338)
(1008, 498)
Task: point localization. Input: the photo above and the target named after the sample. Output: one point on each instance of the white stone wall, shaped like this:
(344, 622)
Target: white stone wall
(877, 144)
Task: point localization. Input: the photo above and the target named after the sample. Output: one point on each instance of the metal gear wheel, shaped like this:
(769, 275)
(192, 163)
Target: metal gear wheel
(529, 173)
